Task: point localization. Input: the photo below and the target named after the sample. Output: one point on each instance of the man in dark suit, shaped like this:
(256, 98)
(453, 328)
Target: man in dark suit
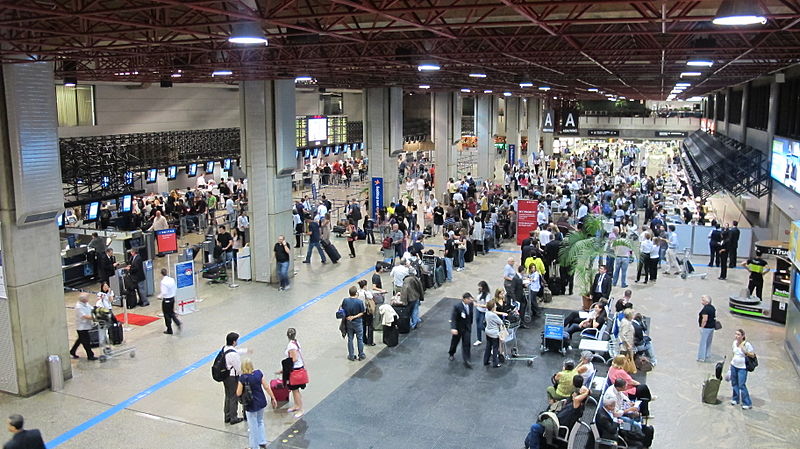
(733, 244)
(22, 439)
(714, 241)
(601, 286)
(107, 263)
(460, 328)
(724, 253)
(136, 269)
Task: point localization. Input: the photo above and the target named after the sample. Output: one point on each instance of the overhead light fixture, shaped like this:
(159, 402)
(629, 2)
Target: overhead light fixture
(690, 74)
(506, 94)
(222, 73)
(694, 99)
(466, 91)
(683, 84)
(428, 66)
(622, 98)
(592, 89)
(612, 99)
(176, 75)
(487, 91)
(739, 12)
(424, 86)
(544, 88)
(70, 81)
(247, 33)
(699, 63)
(303, 79)
(525, 84)
(477, 75)
(609, 95)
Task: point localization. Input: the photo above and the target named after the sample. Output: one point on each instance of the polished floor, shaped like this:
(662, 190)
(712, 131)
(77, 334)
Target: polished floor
(165, 397)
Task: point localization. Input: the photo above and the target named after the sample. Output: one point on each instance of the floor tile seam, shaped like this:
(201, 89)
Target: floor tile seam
(91, 422)
(174, 420)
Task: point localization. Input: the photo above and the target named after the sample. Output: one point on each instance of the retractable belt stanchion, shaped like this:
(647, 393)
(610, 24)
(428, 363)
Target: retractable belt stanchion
(235, 259)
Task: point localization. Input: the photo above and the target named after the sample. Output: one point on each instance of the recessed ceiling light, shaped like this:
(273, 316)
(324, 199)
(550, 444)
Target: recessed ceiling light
(477, 75)
(466, 91)
(70, 81)
(487, 91)
(683, 84)
(699, 63)
(525, 84)
(694, 99)
(506, 94)
(303, 79)
(592, 89)
(545, 88)
(424, 86)
(222, 73)
(690, 74)
(428, 66)
(622, 98)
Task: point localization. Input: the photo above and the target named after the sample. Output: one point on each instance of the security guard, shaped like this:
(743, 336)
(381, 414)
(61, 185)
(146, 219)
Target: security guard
(757, 268)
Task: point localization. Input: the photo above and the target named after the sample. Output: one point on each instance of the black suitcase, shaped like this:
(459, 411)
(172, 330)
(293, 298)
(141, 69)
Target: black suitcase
(339, 230)
(556, 286)
(440, 276)
(94, 337)
(115, 334)
(331, 251)
(427, 281)
(404, 321)
(469, 255)
(383, 267)
(391, 335)
(428, 231)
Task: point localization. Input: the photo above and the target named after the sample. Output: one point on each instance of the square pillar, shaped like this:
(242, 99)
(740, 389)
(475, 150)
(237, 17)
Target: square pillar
(446, 119)
(383, 139)
(485, 126)
(513, 113)
(534, 124)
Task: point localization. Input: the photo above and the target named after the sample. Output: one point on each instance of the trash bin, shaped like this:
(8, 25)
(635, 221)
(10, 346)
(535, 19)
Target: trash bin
(56, 374)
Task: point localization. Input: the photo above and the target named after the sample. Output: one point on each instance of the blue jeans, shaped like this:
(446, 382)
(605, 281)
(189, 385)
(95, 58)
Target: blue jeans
(621, 271)
(610, 264)
(311, 246)
(355, 328)
(706, 337)
(448, 263)
(255, 428)
(460, 258)
(532, 441)
(480, 321)
(283, 273)
(415, 319)
(739, 384)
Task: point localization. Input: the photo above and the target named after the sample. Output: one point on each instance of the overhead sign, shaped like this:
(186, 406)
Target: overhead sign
(377, 196)
(672, 134)
(604, 132)
(167, 241)
(548, 121)
(569, 122)
(526, 218)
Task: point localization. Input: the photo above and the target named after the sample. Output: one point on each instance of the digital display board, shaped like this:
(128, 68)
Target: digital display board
(317, 129)
(127, 201)
(172, 172)
(167, 241)
(92, 210)
(152, 174)
(785, 159)
(209, 166)
(191, 170)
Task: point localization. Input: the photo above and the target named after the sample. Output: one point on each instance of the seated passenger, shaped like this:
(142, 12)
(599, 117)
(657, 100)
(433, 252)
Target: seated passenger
(562, 383)
(642, 341)
(585, 367)
(569, 414)
(633, 389)
(611, 427)
(597, 317)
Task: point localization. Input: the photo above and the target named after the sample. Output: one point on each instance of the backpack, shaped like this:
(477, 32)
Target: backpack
(387, 243)
(219, 369)
(247, 395)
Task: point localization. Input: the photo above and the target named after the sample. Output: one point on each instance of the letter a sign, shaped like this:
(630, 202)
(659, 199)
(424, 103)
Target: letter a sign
(569, 122)
(548, 121)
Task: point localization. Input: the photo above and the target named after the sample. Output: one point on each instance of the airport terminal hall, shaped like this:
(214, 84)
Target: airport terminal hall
(399, 224)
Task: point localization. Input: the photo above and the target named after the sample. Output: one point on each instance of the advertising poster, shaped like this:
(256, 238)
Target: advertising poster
(512, 154)
(794, 244)
(377, 196)
(167, 241)
(184, 274)
(526, 218)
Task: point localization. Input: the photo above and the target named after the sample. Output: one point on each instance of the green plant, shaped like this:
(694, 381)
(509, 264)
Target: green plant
(582, 247)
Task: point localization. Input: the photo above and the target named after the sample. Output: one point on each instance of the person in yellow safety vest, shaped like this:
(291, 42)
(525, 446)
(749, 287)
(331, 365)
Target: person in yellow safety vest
(757, 268)
(536, 262)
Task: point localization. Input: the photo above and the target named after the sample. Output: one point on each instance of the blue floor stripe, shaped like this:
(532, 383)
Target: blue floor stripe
(95, 420)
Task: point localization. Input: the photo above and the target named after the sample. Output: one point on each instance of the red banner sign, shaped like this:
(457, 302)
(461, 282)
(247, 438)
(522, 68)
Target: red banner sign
(526, 218)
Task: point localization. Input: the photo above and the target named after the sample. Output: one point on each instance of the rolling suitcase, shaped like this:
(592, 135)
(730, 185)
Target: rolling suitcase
(115, 333)
(439, 275)
(391, 335)
(383, 267)
(712, 384)
(94, 336)
(331, 251)
(469, 254)
(547, 295)
(280, 390)
(404, 321)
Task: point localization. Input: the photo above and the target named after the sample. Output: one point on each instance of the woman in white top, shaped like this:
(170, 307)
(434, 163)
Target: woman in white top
(484, 295)
(366, 296)
(741, 350)
(493, 324)
(586, 368)
(105, 297)
(646, 247)
(293, 352)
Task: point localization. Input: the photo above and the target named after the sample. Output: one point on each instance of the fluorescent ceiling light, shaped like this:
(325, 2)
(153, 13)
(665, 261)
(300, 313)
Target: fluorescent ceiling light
(487, 91)
(222, 73)
(176, 75)
(683, 84)
(466, 91)
(592, 89)
(609, 95)
(699, 63)
(694, 99)
(690, 74)
(428, 66)
(247, 33)
(424, 86)
(477, 75)
(525, 84)
(70, 81)
(739, 12)
(506, 94)
(303, 79)
(622, 98)
(545, 88)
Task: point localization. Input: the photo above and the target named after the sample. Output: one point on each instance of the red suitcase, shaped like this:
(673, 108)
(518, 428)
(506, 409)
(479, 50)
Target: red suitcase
(280, 390)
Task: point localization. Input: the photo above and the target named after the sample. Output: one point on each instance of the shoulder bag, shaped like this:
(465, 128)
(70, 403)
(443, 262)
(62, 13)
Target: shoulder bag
(717, 325)
(503, 335)
(299, 376)
(750, 363)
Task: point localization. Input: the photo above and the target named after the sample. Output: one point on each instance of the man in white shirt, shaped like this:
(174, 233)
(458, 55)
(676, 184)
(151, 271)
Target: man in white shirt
(168, 289)
(159, 222)
(230, 208)
(201, 182)
(420, 189)
(233, 362)
(398, 273)
(672, 247)
(83, 324)
(583, 210)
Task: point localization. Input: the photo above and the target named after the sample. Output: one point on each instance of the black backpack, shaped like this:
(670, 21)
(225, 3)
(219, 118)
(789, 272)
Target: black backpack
(247, 395)
(219, 369)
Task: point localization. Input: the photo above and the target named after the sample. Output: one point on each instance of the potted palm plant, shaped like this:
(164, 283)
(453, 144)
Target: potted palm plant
(581, 248)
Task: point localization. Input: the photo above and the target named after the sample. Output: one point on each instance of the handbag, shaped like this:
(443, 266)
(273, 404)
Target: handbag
(751, 363)
(503, 335)
(717, 325)
(340, 313)
(298, 377)
(629, 366)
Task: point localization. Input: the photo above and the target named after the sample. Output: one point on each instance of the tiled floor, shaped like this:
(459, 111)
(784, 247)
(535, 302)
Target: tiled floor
(165, 398)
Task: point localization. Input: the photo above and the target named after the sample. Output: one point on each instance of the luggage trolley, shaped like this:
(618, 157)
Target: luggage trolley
(553, 334)
(510, 346)
(103, 318)
(687, 269)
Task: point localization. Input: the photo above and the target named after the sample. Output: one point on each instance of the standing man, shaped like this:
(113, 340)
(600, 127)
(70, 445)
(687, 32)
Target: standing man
(136, 269)
(168, 289)
(23, 439)
(757, 268)
(707, 320)
(314, 239)
(233, 361)
(449, 254)
(460, 328)
(282, 255)
(733, 244)
(672, 247)
(83, 324)
(159, 222)
(354, 310)
(225, 242)
(601, 286)
(398, 238)
(724, 253)
(98, 244)
(714, 243)
(107, 263)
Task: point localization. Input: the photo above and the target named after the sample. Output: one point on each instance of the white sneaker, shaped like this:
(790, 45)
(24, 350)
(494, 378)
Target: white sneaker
(747, 407)
(477, 343)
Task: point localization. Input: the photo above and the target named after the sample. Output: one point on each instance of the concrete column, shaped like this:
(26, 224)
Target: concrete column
(765, 211)
(267, 110)
(547, 143)
(383, 138)
(513, 113)
(446, 119)
(726, 114)
(534, 124)
(745, 104)
(485, 126)
(32, 317)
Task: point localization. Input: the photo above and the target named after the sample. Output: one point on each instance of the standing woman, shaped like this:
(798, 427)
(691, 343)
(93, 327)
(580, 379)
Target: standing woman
(255, 409)
(105, 298)
(493, 324)
(741, 350)
(480, 310)
(369, 306)
(352, 235)
(293, 352)
(645, 248)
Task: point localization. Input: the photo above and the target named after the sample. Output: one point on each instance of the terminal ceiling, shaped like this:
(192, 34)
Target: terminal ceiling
(636, 48)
